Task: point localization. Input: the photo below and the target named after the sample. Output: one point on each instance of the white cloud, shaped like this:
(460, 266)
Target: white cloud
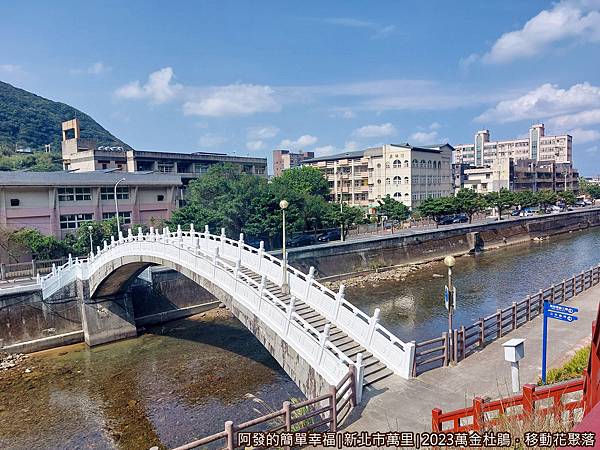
(545, 101)
(566, 20)
(581, 135)
(378, 30)
(10, 68)
(371, 131)
(326, 150)
(593, 150)
(211, 140)
(302, 142)
(583, 118)
(255, 145)
(351, 146)
(267, 132)
(233, 100)
(434, 126)
(158, 89)
(95, 69)
(422, 137)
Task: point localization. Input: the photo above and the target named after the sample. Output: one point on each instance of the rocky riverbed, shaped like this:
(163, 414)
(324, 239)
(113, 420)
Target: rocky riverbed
(11, 360)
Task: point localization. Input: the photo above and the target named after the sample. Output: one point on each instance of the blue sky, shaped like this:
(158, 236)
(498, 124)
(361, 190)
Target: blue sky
(247, 77)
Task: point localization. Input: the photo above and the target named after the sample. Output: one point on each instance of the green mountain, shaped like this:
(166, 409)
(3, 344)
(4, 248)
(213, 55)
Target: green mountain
(28, 120)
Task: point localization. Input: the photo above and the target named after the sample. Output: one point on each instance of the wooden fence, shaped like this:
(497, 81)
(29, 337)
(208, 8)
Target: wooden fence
(559, 400)
(29, 269)
(467, 340)
(323, 413)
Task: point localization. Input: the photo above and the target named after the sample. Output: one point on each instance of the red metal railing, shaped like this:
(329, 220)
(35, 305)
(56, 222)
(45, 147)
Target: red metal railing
(484, 414)
(312, 415)
(592, 373)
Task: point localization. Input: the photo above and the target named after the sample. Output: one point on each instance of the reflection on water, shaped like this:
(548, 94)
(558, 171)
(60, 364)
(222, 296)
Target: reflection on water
(414, 308)
(169, 386)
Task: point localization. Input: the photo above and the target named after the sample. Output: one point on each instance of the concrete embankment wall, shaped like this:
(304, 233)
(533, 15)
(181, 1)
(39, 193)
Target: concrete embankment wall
(28, 323)
(416, 246)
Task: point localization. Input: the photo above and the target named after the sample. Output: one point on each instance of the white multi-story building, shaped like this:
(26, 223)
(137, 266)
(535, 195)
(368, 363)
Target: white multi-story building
(407, 173)
(537, 146)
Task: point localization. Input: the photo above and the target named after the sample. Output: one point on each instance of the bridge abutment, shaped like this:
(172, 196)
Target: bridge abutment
(107, 319)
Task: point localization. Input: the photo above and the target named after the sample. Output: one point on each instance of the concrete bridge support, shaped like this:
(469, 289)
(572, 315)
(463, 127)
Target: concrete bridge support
(107, 319)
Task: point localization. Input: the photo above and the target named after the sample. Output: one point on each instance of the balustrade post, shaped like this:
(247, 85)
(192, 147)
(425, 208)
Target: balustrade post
(70, 260)
(540, 301)
(339, 298)
(179, 233)
(482, 328)
(53, 269)
(478, 413)
(287, 411)
(261, 288)
(215, 259)
(38, 279)
(105, 245)
(455, 346)
(240, 245)
(528, 401)
(112, 241)
(230, 430)
(528, 308)
(140, 234)
(463, 343)
(33, 268)
(223, 240)
(98, 250)
(121, 238)
(323, 341)
(309, 280)
(2, 271)
(435, 420)
(360, 374)
(291, 307)
(192, 230)
(514, 315)
(373, 321)
(333, 406)
(352, 369)
(129, 235)
(552, 296)
(445, 337)
(261, 251)
(498, 323)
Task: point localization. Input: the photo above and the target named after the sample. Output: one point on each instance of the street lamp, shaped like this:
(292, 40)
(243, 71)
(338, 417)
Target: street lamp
(283, 204)
(449, 261)
(117, 208)
(90, 229)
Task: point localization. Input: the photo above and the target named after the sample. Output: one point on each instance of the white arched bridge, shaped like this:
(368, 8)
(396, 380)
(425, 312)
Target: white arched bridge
(314, 333)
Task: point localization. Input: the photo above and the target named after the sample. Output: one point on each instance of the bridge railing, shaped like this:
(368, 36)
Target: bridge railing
(323, 413)
(312, 345)
(394, 353)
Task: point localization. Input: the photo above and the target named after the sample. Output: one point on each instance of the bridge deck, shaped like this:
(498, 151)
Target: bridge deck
(374, 369)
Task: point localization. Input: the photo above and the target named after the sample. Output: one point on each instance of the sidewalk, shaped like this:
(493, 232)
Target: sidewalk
(395, 404)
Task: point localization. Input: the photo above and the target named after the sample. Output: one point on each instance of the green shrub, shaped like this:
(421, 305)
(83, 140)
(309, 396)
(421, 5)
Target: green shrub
(571, 369)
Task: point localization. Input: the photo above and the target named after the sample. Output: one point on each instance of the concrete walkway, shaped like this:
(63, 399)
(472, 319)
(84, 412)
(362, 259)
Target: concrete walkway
(405, 405)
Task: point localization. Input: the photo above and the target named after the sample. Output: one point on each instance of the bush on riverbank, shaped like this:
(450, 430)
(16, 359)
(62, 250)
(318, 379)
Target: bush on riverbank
(571, 369)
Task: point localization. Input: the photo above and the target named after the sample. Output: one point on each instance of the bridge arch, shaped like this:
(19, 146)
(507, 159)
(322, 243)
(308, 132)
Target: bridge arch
(249, 281)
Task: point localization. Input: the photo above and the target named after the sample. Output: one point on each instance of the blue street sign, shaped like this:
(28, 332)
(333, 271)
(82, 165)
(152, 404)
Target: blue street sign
(562, 309)
(559, 312)
(561, 316)
(446, 296)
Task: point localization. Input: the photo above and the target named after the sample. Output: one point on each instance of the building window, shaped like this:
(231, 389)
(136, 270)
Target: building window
(406, 180)
(397, 180)
(160, 198)
(74, 194)
(406, 163)
(422, 163)
(387, 181)
(124, 217)
(167, 167)
(397, 164)
(415, 163)
(397, 194)
(108, 193)
(378, 181)
(14, 202)
(387, 165)
(378, 165)
(72, 221)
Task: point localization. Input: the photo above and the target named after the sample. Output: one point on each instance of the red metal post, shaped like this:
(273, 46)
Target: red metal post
(528, 401)
(478, 418)
(436, 426)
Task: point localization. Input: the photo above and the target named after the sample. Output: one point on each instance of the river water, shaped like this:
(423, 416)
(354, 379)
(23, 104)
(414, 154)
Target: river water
(182, 380)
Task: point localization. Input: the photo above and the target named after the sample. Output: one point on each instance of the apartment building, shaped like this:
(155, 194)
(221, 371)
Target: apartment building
(537, 146)
(490, 178)
(85, 155)
(57, 203)
(285, 159)
(407, 173)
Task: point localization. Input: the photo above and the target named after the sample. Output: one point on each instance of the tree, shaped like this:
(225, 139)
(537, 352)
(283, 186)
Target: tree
(546, 198)
(303, 180)
(500, 200)
(345, 216)
(40, 246)
(435, 208)
(469, 202)
(393, 209)
(591, 189)
(568, 197)
(525, 199)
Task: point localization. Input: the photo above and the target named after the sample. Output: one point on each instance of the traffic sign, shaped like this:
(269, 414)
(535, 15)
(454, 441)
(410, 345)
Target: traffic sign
(558, 312)
(562, 309)
(561, 316)
(447, 296)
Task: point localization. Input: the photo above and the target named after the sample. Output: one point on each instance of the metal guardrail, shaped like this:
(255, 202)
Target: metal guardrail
(323, 413)
(464, 341)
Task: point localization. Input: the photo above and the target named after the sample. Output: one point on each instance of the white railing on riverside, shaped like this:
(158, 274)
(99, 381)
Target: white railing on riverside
(220, 259)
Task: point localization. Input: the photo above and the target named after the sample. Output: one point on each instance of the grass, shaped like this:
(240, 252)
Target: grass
(571, 369)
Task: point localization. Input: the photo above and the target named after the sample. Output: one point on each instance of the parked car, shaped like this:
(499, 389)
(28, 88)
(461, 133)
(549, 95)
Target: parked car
(526, 212)
(460, 218)
(253, 242)
(446, 220)
(330, 235)
(516, 212)
(301, 240)
(579, 203)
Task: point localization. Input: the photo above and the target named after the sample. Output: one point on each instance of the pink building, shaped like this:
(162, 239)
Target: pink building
(56, 203)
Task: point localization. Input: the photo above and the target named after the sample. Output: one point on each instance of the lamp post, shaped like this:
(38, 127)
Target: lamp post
(117, 207)
(283, 204)
(449, 261)
(90, 229)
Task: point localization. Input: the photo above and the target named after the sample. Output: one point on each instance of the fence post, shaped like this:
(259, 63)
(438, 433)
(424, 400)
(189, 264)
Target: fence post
(445, 336)
(540, 301)
(360, 373)
(2, 271)
(529, 308)
(287, 419)
(229, 429)
(455, 345)
(339, 297)
(352, 369)
(552, 297)
(436, 426)
(477, 413)
(333, 405)
(499, 323)
(514, 318)
(33, 268)
(482, 326)
(528, 402)
(373, 321)
(463, 343)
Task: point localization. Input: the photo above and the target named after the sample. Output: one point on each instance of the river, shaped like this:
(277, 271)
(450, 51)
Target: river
(182, 380)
